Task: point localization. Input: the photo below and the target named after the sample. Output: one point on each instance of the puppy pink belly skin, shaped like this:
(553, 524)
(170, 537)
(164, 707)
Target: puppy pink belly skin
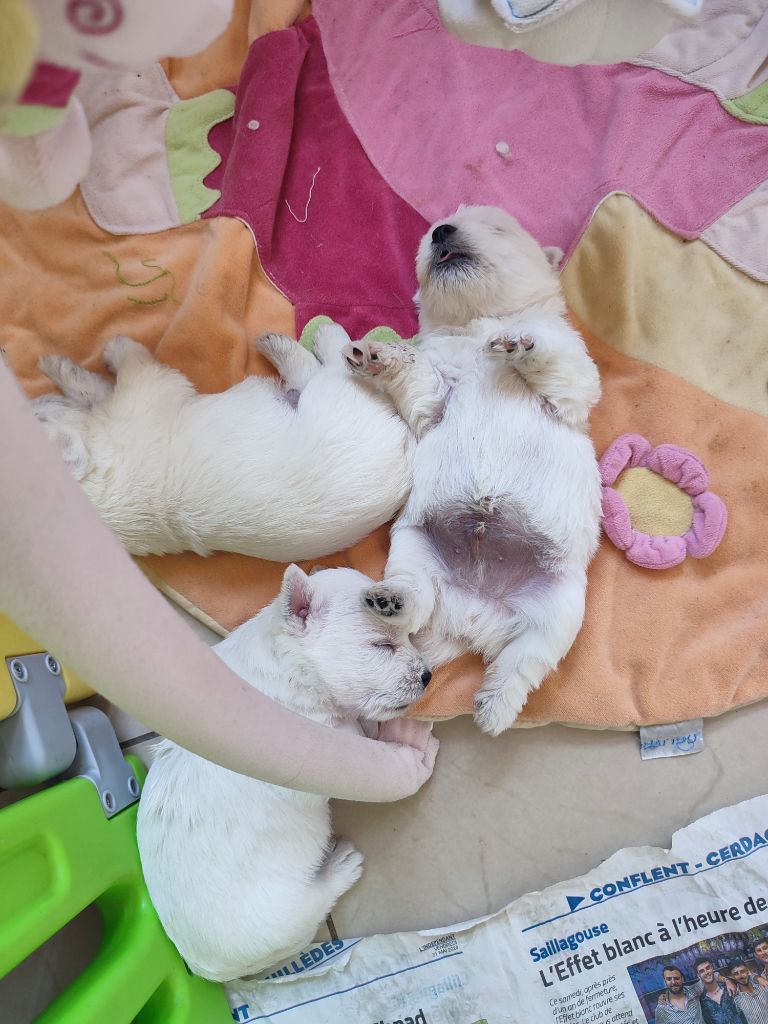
(490, 553)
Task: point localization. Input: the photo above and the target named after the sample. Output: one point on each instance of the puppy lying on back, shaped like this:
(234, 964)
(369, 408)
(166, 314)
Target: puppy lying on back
(491, 551)
(274, 470)
(242, 872)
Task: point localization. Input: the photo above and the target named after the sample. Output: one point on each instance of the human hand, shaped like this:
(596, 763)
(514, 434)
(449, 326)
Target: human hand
(408, 731)
(417, 743)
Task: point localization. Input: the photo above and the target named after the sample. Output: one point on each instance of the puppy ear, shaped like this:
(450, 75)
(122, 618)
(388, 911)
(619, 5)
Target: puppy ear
(296, 597)
(554, 256)
(417, 299)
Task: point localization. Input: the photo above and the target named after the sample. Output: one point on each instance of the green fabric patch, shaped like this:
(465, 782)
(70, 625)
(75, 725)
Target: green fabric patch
(381, 333)
(190, 156)
(25, 119)
(751, 107)
(307, 338)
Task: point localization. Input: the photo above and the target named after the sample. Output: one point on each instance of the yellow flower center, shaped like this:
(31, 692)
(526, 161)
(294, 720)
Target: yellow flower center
(656, 506)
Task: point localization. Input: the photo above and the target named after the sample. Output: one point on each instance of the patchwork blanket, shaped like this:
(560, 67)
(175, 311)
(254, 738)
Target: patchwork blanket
(256, 186)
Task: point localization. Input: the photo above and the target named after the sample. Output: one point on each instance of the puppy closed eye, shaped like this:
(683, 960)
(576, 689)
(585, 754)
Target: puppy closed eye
(385, 645)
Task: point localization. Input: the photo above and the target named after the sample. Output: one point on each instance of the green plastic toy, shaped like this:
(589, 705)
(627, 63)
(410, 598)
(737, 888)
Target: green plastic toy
(377, 334)
(59, 854)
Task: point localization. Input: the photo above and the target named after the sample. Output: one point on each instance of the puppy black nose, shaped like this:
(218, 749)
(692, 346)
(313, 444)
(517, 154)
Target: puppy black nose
(426, 676)
(441, 232)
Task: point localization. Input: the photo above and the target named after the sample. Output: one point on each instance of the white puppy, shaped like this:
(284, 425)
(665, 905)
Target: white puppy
(241, 872)
(277, 471)
(491, 551)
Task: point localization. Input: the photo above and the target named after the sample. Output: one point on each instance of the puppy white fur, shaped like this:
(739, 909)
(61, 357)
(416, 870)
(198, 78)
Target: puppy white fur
(282, 471)
(241, 872)
(491, 551)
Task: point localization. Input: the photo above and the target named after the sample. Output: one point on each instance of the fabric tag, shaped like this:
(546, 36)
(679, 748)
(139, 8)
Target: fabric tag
(674, 740)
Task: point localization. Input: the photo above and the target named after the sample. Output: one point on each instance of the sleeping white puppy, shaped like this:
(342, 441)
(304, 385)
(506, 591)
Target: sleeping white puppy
(274, 470)
(242, 872)
(491, 551)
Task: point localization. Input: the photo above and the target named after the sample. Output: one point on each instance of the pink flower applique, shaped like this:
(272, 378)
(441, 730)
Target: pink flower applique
(656, 505)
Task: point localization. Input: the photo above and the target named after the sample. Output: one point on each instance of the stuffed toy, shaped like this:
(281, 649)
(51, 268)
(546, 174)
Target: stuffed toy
(567, 32)
(45, 47)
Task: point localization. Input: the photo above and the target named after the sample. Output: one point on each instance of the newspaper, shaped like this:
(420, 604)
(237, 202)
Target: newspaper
(591, 950)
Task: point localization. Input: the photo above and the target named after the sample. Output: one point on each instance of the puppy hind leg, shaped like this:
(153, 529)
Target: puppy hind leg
(529, 657)
(313, 901)
(66, 426)
(319, 896)
(122, 353)
(81, 387)
(295, 365)
(337, 876)
(329, 343)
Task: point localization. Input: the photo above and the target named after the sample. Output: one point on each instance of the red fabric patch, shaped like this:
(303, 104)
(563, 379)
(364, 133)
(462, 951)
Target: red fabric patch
(50, 86)
(348, 252)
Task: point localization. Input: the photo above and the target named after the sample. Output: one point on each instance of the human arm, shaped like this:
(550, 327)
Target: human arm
(67, 581)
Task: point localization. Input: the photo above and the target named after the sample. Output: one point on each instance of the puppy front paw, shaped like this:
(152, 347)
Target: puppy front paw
(387, 601)
(373, 358)
(511, 346)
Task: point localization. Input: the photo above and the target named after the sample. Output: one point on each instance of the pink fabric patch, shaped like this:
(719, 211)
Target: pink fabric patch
(680, 467)
(331, 233)
(430, 109)
(50, 86)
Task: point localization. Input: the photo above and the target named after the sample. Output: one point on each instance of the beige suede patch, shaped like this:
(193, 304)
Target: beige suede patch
(656, 506)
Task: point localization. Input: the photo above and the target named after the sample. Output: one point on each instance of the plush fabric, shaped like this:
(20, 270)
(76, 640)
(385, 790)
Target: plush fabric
(657, 508)
(678, 334)
(575, 135)
(41, 160)
(673, 303)
(566, 31)
(294, 171)
(723, 49)
(655, 505)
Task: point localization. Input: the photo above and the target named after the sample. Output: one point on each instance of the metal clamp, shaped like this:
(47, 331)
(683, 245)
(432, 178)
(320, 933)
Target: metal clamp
(41, 740)
(36, 741)
(100, 760)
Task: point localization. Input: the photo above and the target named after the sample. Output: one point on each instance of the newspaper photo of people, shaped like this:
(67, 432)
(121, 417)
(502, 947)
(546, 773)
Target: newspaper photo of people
(723, 980)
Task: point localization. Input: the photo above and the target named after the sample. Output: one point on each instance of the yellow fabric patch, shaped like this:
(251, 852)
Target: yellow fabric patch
(675, 304)
(655, 505)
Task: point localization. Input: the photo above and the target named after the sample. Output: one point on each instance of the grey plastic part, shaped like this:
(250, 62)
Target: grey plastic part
(100, 759)
(36, 740)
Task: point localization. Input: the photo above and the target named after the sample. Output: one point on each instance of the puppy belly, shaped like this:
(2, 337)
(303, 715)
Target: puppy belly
(492, 553)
